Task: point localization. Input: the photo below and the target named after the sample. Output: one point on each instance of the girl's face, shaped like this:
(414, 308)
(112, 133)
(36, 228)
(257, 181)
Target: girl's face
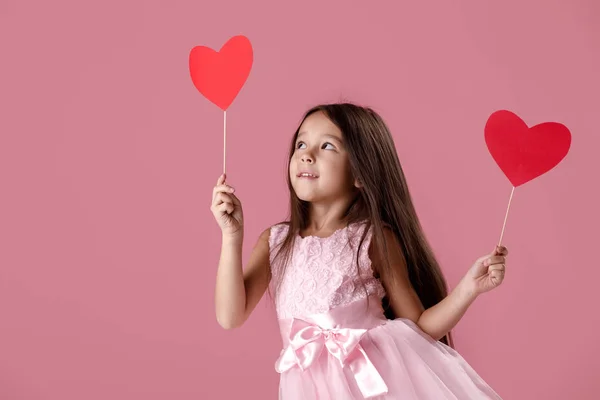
(319, 168)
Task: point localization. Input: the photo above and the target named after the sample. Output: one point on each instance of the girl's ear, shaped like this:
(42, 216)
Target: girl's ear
(357, 183)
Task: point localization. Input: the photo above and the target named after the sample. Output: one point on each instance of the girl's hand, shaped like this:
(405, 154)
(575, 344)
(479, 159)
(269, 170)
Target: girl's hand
(227, 208)
(488, 271)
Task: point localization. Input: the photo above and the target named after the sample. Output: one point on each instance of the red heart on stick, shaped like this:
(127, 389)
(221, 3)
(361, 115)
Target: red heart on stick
(220, 76)
(524, 153)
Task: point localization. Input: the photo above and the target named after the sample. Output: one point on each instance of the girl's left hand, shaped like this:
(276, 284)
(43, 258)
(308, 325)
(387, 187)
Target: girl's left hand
(488, 271)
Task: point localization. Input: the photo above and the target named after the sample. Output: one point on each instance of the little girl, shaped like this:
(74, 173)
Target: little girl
(362, 304)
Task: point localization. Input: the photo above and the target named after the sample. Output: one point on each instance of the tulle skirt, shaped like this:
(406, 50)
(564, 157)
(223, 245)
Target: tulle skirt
(412, 365)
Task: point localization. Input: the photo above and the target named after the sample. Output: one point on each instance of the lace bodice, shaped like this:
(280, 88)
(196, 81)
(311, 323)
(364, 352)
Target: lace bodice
(322, 273)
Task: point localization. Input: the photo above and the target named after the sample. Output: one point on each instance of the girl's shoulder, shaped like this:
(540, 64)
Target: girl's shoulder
(277, 232)
(280, 227)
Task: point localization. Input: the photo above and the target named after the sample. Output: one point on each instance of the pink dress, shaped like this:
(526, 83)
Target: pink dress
(338, 345)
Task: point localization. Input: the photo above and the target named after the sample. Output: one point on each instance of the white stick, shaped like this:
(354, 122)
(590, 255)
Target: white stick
(506, 216)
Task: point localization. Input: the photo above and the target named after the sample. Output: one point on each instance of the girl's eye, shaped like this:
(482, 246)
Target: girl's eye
(300, 144)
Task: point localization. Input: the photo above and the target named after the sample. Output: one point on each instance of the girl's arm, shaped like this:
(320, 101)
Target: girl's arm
(238, 290)
(440, 319)
(436, 321)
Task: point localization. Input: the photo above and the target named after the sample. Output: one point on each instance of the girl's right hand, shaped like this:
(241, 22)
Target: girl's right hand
(227, 208)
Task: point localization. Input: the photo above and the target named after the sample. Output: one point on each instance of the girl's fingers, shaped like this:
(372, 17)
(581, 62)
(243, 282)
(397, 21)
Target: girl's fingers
(497, 277)
(501, 251)
(222, 189)
(235, 199)
(495, 260)
(225, 208)
(222, 197)
(497, 267)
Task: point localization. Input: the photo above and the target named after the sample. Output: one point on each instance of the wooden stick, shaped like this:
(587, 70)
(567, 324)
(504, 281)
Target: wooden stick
(506, 216)
(224, 138)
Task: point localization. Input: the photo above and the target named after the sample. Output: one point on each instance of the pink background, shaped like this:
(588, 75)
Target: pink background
(108, 156)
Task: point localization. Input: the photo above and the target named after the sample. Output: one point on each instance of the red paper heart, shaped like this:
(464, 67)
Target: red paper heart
(524, 153)
(220, 76)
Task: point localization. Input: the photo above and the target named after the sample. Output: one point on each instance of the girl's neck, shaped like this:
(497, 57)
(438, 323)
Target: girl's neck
(325, 217)
(322, 231)
(326, 221)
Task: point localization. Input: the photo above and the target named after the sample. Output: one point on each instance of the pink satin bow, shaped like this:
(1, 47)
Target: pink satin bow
(307, 341)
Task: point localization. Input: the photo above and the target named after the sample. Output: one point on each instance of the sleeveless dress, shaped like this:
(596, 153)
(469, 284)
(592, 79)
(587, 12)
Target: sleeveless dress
(338, 345)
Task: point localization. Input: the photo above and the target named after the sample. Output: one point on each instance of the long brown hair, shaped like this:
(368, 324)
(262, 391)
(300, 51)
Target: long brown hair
(383, 200)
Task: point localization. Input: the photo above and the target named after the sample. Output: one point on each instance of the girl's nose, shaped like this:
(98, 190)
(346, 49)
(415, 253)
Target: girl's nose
(307, 159)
